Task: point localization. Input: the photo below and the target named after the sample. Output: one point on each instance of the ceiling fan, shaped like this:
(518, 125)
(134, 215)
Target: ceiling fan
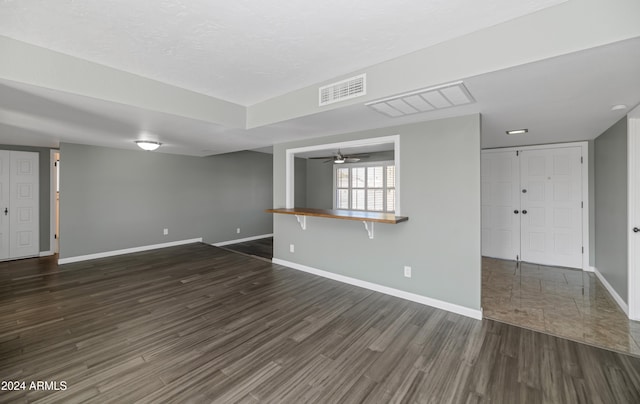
(339, 158)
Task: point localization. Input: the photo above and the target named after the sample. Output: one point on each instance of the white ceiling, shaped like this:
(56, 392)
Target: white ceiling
(246, 51)
(560, 99)
(567, 98)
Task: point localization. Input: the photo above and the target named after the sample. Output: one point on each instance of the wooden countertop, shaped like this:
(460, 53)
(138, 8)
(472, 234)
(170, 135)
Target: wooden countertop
(358, 215)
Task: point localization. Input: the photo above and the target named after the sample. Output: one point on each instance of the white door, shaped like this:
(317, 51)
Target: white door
(551, 202)
(23, 207)
(500, 204)
(5, 189)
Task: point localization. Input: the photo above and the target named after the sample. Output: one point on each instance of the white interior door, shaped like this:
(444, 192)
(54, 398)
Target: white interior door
(500, 204)
(24, 205)
(5, 164)
(551, 202)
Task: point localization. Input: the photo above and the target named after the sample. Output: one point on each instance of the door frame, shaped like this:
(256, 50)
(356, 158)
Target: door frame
(633, 214)
(584, 146)
(53, 185)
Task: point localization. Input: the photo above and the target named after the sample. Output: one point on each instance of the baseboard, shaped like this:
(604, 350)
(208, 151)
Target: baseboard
(127, 251)
(439, 304)
(612, 291)
(589, 268)
(241, 240)
(46, 253)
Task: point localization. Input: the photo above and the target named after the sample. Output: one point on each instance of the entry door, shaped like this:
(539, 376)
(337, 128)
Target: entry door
(5, 189)
(500, 204)
(551, 202)
(23, 207)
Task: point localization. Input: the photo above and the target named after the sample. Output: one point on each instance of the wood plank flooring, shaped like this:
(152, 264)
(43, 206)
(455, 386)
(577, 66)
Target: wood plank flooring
(262, 248)
(198, 323)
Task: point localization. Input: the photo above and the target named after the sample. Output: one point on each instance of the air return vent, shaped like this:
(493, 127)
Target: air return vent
(343, 90)
(428, 99)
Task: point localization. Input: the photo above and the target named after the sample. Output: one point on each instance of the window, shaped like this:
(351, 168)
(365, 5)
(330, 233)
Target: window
(365, 186)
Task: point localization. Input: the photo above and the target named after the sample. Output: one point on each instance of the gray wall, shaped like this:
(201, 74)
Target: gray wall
(440, 179)
(319, 184)
(611, 206)
(114, 199)
(300, 177)
(45, 187)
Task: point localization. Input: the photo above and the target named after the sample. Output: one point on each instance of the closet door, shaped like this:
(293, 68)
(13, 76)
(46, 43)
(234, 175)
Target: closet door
(500, 204)
(5, 189)
(23, 207)
(551, 201)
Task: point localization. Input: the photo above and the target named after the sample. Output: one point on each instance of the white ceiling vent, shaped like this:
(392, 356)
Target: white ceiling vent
(343, 90)
(428, 99)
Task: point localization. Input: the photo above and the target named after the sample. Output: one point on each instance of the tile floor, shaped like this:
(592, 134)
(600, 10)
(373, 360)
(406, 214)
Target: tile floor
(564, 302)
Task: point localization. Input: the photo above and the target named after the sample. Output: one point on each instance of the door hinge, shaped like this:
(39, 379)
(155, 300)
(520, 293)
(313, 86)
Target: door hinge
(583, 250)
(581, 161)
(55, 164)
(55, 236)
(517, 153)
(582, 204)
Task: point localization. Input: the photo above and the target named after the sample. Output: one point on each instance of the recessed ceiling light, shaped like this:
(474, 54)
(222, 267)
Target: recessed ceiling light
(148, 145)
(517, 131)
(618, 107)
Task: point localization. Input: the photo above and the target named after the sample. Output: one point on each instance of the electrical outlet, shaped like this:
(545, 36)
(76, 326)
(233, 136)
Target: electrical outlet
(292, 248)
(407, 271)
(165, 231)
(238, 230)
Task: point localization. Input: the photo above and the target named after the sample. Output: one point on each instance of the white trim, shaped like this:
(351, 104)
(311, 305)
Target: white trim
(127, 251)
(46, 253)
(633, 199)
(535, 147)
(585, 207)
(590, 269)
(241, 240)
(584, 146)
(612, 291)
(439, 304)
(52, 207)
(290, 163)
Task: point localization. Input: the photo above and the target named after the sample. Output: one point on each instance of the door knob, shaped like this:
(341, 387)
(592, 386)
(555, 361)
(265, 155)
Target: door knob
(516, 211)
(524, 191)
(6, 211)
(635, 230)
(524, 212)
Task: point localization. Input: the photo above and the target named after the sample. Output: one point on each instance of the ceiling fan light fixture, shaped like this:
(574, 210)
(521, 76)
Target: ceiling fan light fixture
(517, 131)
(148, 145)
(339, 160)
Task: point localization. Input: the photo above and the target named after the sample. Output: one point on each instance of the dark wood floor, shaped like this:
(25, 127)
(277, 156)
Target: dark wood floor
(262, 248)
(198, 323)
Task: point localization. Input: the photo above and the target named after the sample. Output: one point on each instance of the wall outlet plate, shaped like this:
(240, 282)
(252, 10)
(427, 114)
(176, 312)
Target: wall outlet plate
(165, 231)
(407, 271)
(292, 248)
(238, 230)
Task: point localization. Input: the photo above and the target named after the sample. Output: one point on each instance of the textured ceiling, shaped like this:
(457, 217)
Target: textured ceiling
(246, 51)
(557, 99)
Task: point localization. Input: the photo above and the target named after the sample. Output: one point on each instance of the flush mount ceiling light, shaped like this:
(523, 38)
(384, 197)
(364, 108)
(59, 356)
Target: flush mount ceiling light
(148, 145)
(618, 107)
(517, 131)
(424, 100)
